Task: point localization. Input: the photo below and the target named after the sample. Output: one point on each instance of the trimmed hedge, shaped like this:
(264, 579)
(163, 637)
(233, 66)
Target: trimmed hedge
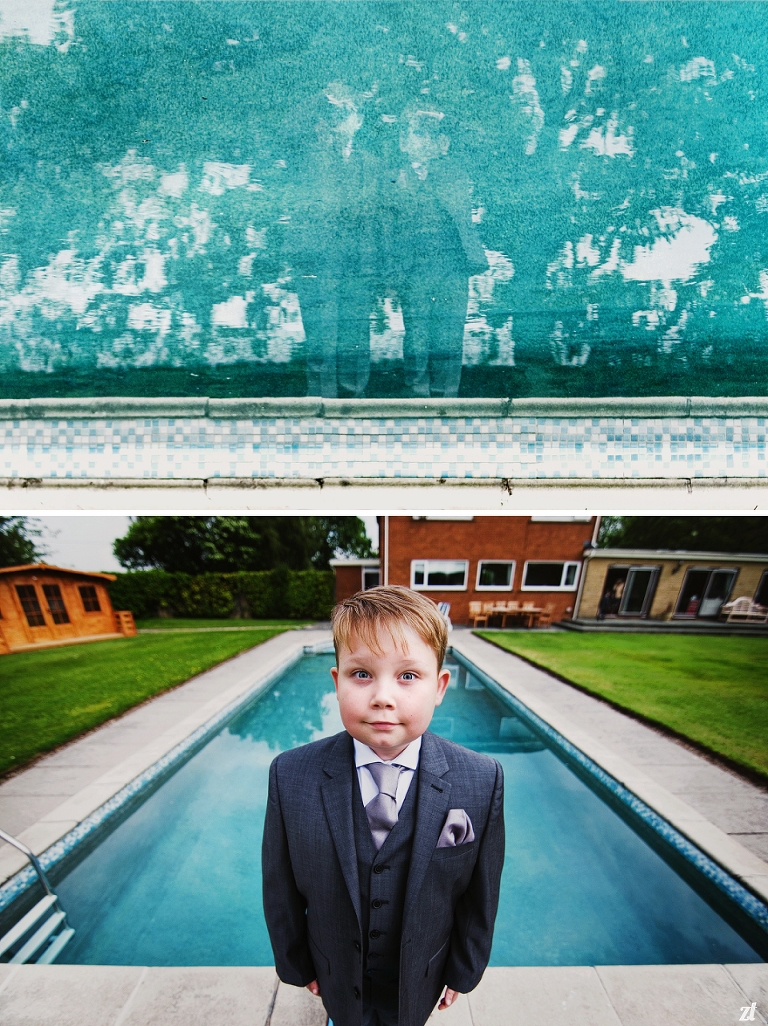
(293, 594)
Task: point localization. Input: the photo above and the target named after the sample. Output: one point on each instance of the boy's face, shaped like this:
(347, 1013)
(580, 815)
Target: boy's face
(387, 700)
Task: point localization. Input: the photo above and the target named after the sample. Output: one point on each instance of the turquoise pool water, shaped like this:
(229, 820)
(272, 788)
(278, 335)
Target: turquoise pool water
(254, 198)
(178, 882)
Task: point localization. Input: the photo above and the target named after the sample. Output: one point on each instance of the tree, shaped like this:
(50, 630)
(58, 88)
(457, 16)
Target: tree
(698, 534)
(336, 536)
(197, 545)
(17, 542)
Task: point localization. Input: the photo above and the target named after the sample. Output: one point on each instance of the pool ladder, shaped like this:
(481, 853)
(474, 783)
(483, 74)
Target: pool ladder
(54, 931)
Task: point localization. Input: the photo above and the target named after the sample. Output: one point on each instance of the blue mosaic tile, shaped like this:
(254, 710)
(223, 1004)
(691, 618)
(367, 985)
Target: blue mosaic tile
(423, 447)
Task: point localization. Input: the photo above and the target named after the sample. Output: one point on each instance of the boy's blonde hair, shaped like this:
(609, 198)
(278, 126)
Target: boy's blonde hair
(390, 608)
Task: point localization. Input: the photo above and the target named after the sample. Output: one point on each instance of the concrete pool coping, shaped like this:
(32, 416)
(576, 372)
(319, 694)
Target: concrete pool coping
(514, 676)
(177, 714)
(699, 995)
(618, 995)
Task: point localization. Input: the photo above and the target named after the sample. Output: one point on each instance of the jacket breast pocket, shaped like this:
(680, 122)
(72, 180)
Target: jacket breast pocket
(457, 851)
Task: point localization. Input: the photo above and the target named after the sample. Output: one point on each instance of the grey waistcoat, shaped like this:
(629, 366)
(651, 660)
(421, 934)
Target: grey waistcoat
(383, 876)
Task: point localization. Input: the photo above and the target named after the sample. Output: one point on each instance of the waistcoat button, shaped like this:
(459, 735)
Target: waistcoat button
(375, 934)
(377, 903)
(378, 869)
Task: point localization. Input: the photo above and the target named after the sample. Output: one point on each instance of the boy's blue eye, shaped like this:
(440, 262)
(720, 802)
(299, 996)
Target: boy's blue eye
(361, 674)
(408, 675)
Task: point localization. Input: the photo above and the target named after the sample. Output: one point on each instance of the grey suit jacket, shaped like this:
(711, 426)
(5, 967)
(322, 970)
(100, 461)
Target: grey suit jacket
(311, 889)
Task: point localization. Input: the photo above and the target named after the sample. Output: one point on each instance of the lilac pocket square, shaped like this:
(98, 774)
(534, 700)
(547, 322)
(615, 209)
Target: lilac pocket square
(457, 829)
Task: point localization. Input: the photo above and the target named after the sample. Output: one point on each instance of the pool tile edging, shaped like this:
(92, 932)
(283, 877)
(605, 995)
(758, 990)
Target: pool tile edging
(14, 886)
(723, 879)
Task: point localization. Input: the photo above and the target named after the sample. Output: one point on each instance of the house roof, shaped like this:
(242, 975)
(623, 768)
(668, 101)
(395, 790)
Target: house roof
(679, 554)
(45, 567)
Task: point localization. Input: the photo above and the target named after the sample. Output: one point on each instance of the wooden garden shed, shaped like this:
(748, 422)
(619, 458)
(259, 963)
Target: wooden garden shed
(42, 605)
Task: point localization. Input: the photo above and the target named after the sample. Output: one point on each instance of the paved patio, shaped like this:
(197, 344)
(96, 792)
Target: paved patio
(641, 995)
(726, 815)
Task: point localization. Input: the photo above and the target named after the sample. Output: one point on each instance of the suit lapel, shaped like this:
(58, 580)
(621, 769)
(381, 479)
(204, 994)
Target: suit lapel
(434, 800)
(338, 794)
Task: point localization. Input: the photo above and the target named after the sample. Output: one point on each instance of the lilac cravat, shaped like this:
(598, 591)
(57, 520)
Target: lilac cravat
(382, 810)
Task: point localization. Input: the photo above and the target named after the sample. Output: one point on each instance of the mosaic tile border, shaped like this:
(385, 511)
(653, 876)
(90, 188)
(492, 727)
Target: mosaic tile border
(738, 894)
(599, 444)
(25, 878)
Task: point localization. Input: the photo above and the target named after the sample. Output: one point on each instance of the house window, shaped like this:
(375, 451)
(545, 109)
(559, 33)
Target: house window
(495, 575)
(56, 606)
(371, 577)
(539, 575)
(90, 598)
(704, 593)
(30, 605)
(439, 574)
(761, 595)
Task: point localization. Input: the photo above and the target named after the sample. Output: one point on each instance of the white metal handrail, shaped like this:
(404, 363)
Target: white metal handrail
(55, 931)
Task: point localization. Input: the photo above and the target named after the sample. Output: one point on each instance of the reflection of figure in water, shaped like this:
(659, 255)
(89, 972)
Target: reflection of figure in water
(428, 251)
(380, 209)
(330, 241)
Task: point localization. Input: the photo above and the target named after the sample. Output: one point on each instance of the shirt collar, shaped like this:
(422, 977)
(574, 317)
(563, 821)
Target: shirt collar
(409, 757)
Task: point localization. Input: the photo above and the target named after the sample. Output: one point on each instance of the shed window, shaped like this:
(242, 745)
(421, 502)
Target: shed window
(56, 606)
(439, 574)
(495, 575)
(543, 576)
(30, 605)
(90, 598)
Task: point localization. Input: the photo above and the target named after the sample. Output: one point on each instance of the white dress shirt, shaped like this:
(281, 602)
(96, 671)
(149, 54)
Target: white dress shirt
(408, 758)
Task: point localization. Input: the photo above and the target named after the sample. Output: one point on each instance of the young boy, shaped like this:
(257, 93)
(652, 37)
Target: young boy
(383, 845)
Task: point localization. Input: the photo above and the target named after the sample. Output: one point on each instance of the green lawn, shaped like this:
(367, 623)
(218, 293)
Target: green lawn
(711, 690)
(54, 695)
(174, 624)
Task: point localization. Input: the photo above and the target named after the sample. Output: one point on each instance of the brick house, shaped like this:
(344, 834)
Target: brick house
(43, 606)
(463, 558)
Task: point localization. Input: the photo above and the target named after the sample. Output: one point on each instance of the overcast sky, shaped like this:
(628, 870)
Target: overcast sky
(85, 542)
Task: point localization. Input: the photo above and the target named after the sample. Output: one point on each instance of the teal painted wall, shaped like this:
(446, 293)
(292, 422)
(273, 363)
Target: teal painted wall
(383, 199)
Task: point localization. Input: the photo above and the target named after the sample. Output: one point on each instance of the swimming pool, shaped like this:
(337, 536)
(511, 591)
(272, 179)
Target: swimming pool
(178, 881)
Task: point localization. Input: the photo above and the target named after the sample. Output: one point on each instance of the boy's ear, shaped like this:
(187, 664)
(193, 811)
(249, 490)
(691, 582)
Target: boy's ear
(442, 684)
(335, 675)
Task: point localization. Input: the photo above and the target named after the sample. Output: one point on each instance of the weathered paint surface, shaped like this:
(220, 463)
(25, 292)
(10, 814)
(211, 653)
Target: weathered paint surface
(383, 199)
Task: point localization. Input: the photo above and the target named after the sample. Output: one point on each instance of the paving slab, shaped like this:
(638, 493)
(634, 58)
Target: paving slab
(753, 982)
(550, 995)
(668, 995)
(295, 1006)
(202, 996)
(721, 812)
(67, 995)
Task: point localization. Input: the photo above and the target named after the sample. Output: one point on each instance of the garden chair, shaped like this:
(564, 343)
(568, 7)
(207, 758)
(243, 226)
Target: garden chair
(477, 617)
(512, 613)
(739, 609)
(444, 609)
(544, 619)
